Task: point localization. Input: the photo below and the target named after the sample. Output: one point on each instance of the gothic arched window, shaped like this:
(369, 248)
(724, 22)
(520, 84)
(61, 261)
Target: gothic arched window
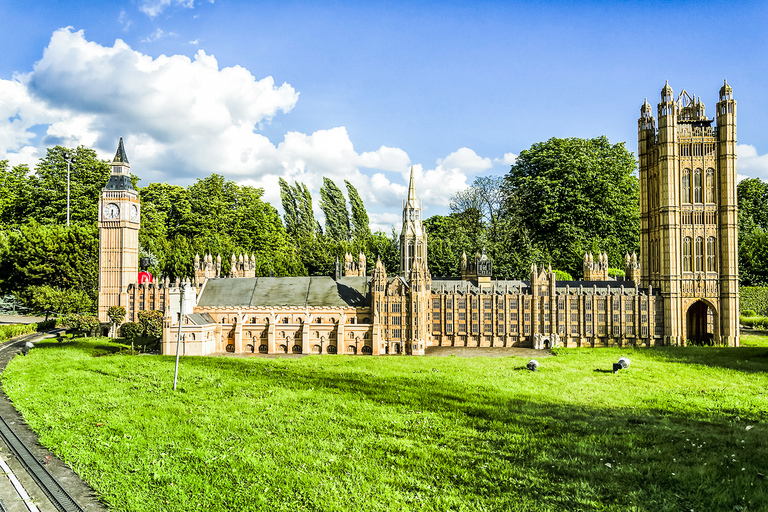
(710, 186)
(699, 254)
(687, 254)
(687, 186)
(711, 255)
(697, 186)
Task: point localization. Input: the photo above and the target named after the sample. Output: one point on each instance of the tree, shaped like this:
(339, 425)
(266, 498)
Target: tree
(485, 196)
(152, 323)
(65, 258)
(334, 208)
(116, 315)
(360, 228)
(570, 195)
(88, 175)
(47, 300)
(753, 201)
(753, 232)
(15, 193)
(290, 207)
(449, 236)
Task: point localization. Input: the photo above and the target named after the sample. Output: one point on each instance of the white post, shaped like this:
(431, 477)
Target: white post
(178, 337)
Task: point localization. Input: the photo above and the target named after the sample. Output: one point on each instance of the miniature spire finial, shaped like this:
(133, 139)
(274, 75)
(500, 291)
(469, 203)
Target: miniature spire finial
(411, 188)
(120, 156)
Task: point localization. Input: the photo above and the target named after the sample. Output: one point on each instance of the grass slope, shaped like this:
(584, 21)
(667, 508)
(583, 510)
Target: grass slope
(681, 429)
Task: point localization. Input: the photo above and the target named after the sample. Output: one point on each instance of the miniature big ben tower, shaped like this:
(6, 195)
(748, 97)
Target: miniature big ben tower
(119, 221)
(688, 216)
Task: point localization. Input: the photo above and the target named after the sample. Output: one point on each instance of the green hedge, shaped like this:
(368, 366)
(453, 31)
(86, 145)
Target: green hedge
(754, 298)
(11, 331)
(755, 322)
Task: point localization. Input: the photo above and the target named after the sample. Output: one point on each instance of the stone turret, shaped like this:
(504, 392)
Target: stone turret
(632, 268)
(595, 270)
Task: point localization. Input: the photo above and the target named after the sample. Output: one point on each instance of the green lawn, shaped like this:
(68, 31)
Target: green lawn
(681, 429)
(754, 338)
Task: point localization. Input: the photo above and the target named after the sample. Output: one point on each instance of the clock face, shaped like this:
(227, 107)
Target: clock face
(134, 213)
(111, 211)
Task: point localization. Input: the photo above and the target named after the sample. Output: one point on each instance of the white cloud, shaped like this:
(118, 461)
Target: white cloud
(384, 222)
(507, 159)
(750, 164)
(153, 8)
(126, 23)
(183, 118)
(154, 36)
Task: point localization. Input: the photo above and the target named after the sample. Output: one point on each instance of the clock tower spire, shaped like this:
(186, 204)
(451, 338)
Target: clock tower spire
(119, 221)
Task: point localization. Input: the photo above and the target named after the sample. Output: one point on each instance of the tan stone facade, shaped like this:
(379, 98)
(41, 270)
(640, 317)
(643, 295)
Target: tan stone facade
(688, 210)
(683, 286)
(119, 221)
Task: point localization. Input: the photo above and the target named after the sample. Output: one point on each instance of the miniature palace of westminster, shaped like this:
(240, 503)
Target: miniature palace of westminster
(683, 287)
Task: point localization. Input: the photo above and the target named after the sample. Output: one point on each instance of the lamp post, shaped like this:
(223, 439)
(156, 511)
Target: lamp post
(178, 336)
(68, 159)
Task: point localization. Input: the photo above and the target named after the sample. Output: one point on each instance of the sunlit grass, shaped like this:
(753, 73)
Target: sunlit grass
(681, 429)
(754, 338)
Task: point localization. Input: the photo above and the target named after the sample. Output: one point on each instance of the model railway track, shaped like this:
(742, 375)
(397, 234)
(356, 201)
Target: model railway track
(58, 497)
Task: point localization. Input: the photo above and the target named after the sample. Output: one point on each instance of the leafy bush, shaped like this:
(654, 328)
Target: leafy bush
(755, 322)
(116, 314)
(131, 330)
(748, 312)
(615, 272)
(11, 331)
(152, 323)
(46, 324)
(85, 324)
(754, 298)
(562, 275)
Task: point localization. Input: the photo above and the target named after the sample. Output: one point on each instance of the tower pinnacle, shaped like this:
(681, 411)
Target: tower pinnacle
(120, 156)
(412, 191)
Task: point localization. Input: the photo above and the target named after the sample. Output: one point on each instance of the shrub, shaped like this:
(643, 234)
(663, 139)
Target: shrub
(131, 330)
(748, 312)
(562, 275)
(11, 331)
(85, 324)
(116, 314)
(615, 272)
(755, 322)
(152, 323)
(754, 298)
(47, 324)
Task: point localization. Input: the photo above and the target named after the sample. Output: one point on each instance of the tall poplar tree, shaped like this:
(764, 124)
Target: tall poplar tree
(290, 207)
(360, 228)
(334, 207)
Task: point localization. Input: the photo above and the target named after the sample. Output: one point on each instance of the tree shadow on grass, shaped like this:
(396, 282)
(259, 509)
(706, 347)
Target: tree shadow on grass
(518, 452)
(745, 359)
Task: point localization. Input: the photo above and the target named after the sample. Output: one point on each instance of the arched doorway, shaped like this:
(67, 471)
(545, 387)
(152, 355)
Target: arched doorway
(701, 324)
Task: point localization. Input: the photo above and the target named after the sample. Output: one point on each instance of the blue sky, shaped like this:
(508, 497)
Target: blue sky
(260, 90)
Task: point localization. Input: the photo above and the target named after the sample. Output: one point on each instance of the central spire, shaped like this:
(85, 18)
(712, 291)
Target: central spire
(412, 190)
(413, 239)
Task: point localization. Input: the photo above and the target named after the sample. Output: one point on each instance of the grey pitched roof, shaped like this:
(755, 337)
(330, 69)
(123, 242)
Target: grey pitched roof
(200, 318)
(119, 182)
(315, 291)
